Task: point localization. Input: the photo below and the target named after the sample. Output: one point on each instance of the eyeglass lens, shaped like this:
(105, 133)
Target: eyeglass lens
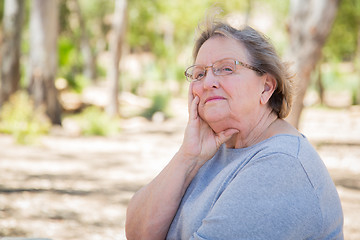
(220, 68)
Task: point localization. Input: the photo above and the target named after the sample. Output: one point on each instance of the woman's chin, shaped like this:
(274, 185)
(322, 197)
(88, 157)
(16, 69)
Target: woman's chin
(214, 117)
(214, 113)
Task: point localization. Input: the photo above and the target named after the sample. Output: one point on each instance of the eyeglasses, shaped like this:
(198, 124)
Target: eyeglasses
(219, 68)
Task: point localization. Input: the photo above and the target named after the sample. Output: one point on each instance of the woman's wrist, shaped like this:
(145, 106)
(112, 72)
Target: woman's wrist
(190, 165)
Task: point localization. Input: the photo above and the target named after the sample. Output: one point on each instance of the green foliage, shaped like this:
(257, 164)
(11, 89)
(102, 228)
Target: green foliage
(355, 97)
(70, 64)
(166, 29)
(337, 78)
(153, 25)
(19, 118)
(95, 13)
(96, 26)
(64, 14)
(342, 42)
(143, 33)
(1, 11)
(67, 51)
(95, 122)
(160, 102)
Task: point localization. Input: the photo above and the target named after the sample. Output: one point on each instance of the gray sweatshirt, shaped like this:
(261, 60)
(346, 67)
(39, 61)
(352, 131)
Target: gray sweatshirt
(276, 189)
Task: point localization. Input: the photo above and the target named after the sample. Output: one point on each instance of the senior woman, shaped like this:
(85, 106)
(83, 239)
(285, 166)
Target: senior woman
(242, 172)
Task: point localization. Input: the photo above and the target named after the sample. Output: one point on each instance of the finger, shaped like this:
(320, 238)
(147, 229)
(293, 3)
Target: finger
(190, 96)
(225, 136)
(193, 110)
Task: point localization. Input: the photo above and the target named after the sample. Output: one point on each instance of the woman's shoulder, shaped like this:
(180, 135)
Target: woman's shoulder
(278, 144)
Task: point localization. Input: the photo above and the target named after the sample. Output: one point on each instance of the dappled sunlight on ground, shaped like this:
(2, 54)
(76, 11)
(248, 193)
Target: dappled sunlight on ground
(78, 188)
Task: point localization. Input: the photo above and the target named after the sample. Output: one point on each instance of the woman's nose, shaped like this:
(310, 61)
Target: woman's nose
(210, 80)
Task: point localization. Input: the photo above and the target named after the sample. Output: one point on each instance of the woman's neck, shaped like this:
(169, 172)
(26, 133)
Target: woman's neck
(261, 130)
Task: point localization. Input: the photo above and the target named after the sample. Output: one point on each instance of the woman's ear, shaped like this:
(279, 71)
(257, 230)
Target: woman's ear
(269, 88)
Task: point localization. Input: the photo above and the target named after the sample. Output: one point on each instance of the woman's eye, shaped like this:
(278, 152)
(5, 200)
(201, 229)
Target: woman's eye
(227, 69)
(199, 75)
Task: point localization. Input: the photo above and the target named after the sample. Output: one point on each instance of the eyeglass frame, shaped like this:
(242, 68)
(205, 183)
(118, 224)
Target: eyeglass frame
(237, 62)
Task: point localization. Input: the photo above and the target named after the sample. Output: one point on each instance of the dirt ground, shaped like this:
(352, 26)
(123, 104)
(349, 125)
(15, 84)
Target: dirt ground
(79, 187)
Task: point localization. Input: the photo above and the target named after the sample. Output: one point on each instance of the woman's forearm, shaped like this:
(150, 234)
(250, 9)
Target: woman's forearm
(152, 209)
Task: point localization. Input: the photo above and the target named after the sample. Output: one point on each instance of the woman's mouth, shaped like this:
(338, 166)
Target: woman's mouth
(214, 98)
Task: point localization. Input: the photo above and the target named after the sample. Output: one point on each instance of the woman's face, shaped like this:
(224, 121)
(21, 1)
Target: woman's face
(231, 101)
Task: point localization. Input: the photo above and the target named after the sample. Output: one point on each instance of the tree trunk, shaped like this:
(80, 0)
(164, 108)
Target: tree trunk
(310, 25)
(86, 50)
(320, 85)
(357, 59)
(11, 48)
(118, 31)
(43, 57)
(248, 11)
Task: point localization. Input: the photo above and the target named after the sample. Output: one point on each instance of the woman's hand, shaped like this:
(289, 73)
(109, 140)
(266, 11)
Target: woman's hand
(152, 209)
(200, 141)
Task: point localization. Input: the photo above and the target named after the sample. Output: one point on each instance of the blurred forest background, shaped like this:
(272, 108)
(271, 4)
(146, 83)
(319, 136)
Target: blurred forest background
(55, 54)
(93, 101)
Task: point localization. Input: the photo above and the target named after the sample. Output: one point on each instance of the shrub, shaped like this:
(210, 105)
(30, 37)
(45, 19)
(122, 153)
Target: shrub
(94, 121)
(160, 102)
(19, 117)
